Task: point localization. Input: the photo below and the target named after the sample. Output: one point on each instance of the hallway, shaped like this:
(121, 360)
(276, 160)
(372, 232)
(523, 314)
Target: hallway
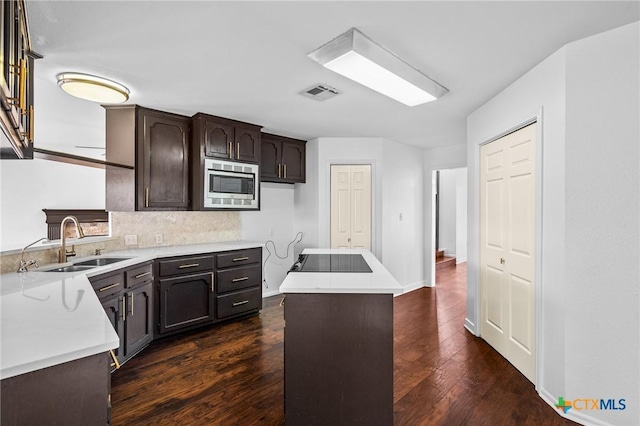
(446, 376)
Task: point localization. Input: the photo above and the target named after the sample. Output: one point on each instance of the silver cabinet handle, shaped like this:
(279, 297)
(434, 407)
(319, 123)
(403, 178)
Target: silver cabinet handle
(238, 151)
(189, 265)
(235, 280)
(244, 302)
(142, 275)
(238, 259)
(285, 171)
(109, 287)
(131, 302)
(213, 280)
(122, 312)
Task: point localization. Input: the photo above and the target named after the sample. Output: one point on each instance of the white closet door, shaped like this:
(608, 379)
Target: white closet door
(507, 247)
(351, 206)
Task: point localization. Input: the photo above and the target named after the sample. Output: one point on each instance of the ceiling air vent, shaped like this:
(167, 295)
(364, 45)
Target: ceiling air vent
(320, 92)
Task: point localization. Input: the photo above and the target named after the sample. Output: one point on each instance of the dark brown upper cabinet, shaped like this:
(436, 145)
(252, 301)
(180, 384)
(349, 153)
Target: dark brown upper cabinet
(217, 137)
(148, 156)
(223, 138)
(282, 159)
(16, 82)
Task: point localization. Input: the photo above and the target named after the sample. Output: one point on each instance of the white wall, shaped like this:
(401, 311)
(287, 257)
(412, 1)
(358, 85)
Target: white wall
(447, 216)
(28, 186)
(586, 96)
(398, 187)
(436, 159)
(274, 222)
(402, 195)
(307, 200)
(602, 221)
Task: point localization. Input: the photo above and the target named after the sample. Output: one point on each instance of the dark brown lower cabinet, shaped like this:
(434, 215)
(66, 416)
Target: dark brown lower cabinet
(338, 359)
(72, 393)
(113, 308)
(127, 298)
(138, 329)
(185, 301)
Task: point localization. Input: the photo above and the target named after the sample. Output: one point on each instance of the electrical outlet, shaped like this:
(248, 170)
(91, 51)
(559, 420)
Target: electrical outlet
(159, 238)
(271, 232)
(130, 240)
(400, 217)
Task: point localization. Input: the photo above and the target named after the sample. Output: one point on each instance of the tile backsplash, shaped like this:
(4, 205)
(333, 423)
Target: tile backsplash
(177, 228)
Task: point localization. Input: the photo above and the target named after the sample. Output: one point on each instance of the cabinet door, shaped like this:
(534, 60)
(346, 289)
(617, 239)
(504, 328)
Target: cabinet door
(247, 145)
(186, 301)
(293, 160)
(218, 139)
(113, 307)
(270, 160)
(165, 162)
(139, 318)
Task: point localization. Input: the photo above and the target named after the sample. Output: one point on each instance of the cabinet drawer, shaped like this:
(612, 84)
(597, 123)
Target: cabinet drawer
(186, 265)
(233, 279)
(139, 274)
(239, 257)
(107, 284)
(238, 303)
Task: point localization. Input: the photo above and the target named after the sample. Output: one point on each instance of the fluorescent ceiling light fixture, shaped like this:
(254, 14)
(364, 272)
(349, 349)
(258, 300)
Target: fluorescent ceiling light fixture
(356, 56)
(93, 88)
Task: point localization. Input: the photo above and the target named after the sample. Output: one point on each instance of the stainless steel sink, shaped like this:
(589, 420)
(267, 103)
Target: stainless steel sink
(100, 261)
(71, 268)
(86, 264)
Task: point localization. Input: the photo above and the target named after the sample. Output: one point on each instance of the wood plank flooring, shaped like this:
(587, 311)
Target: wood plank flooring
(233, 374)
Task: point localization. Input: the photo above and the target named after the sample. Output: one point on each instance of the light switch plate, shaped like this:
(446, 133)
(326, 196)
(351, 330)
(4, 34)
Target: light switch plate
(159, 238)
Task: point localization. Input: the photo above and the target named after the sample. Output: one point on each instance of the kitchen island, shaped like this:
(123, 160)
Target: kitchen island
(339, 342)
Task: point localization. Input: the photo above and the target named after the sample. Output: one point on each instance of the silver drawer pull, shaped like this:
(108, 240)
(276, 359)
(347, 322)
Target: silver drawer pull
(189, 265)
(238, 259)
(142, 275)
(244, 302)
(235, 280)
(109, 287)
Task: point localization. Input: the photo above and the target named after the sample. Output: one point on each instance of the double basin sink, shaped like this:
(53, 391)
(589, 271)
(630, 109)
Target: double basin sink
(87, 264)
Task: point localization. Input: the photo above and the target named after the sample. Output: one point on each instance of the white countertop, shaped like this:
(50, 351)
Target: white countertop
(53, 317)
(379, 280)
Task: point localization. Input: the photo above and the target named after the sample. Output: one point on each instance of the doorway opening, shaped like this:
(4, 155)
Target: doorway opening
(449, 219)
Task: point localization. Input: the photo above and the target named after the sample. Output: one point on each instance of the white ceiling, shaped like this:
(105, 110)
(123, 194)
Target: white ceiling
(248, 61)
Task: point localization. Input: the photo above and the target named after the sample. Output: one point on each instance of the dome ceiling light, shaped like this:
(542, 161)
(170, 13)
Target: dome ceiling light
(93, 88)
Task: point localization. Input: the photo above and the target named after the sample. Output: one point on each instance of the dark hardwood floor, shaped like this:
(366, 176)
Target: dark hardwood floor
(233, 374)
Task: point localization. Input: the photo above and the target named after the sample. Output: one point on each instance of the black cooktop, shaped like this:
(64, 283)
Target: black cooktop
(330, 263)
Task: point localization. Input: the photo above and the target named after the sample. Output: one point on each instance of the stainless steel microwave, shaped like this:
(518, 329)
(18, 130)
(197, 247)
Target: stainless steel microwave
(231, 185)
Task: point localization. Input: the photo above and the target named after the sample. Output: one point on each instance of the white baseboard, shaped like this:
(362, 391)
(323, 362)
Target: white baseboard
(411, 287)
(461, 260)
(471, 327)
(573, 415)
(269, 293)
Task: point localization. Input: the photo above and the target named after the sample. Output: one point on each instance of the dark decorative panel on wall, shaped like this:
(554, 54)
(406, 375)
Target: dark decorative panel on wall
(93, 222)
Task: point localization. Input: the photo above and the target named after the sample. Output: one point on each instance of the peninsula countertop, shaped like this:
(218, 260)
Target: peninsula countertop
(379, 280)
(49, 318)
